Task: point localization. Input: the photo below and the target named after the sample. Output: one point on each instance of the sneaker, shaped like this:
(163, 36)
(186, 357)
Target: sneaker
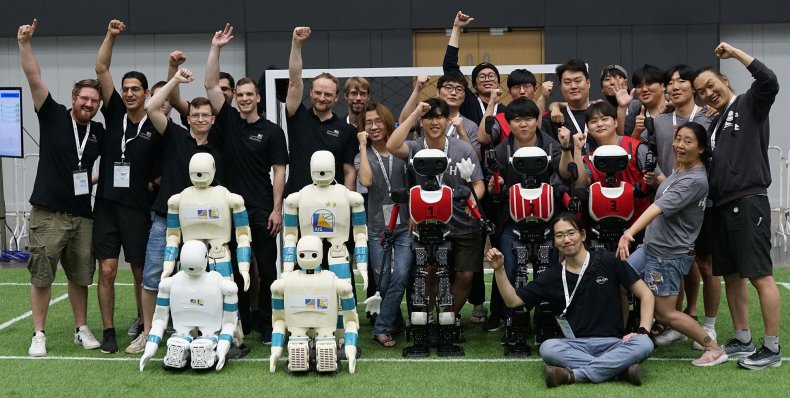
(494, 323)
(761, 359)
(669, 336)
(711, 332)
(711, 358)
(735, 349)
(108, 343)
(38, 346)
(137, 345)
(632, 374)
(266, 337)
(557, 376)
(84, 337)
(135, 328)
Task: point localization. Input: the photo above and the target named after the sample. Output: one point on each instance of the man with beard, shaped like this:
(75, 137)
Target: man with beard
(357, 93)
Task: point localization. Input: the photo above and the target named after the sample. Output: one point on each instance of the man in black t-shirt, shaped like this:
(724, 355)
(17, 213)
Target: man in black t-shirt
(317, 128)
(61, 222)
(585, 296)
(575, 87)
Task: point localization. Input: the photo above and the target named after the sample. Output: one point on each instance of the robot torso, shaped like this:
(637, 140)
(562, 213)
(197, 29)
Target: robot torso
(310, 300)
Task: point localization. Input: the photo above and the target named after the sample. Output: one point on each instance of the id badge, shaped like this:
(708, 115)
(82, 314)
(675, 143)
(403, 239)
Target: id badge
(565, 327)
(387, 211)
(81, 186)
(120, 174)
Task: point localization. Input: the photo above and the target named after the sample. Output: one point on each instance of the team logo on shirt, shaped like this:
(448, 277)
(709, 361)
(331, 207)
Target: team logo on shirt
(333, 133)
(197, 302)
(601, 280)
(323, 221)
(146, 135)
(257, 138)
(316, 303)
(208, 214)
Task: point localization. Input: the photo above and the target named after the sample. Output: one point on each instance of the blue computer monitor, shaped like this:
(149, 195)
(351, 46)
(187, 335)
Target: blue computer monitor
(11, 122)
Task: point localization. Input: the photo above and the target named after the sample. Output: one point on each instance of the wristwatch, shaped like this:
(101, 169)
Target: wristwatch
(568, 149)
(642, 330)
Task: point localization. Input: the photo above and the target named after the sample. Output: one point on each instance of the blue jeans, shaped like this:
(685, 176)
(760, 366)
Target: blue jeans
(661, 274)
(596, 359)
(394, 275)
(155, 254)
(506, 240)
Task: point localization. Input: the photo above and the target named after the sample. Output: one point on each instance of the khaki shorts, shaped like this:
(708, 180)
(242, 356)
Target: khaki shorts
(60, 237)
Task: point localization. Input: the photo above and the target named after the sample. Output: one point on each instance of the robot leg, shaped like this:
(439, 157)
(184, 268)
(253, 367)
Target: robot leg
(518, 325)
(203, 352)
(418, 328)
(326, 354)
(337, 260)
(177, 352)
(449, 327)
(298, 353)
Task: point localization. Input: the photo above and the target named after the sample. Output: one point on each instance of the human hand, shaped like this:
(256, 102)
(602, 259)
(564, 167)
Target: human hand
(116, 27)
(222, 37)
(301, 33)
(462, 19)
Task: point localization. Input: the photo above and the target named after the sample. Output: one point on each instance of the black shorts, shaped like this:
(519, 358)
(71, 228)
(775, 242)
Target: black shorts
(742, 230)
(467, 252)
(707, 235)
(116, 225)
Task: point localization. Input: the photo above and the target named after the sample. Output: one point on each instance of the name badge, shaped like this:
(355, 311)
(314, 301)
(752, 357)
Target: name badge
(387, 211)
(81, 186)
(120, 174)
(565, 327)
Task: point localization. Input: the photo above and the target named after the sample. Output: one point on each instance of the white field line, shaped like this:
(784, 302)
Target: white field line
(29, 313)
(786, 285)
(54, 284)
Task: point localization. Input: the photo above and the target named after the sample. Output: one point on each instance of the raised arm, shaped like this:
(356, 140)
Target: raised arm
(572, 146)
(154, 106)
(38, 89)
(295, 85)
(450, 62)
(213, 91)
(725, 51)
(175, 60)
(396, 144)
(482, 135)
(414, 98)
(104, 59)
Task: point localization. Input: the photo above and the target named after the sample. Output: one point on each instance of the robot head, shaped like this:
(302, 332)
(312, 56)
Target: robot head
(194, 257)
(322, 168)
(610, 159)
(201, 169)
(429, 162)
(530, 161)
(309, 252)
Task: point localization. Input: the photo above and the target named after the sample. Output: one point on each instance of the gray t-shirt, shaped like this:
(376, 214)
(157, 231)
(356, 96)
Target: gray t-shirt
(665, 134)
(681, 198)
(461, 223)
(471, 131)
(378, 193)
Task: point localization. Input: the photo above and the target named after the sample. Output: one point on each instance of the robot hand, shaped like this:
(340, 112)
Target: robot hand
(150, 350)
(465, 169)
(373, 304)
(351, 354)
(363, 271)
(223, 346)
(276, 352)
(245, 275)
(168, 268)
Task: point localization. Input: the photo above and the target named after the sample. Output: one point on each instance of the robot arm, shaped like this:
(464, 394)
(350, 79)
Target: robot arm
(242, 224)
(349, 307)
(278, 323)
(359, 222)
(290, 231)
(161, 315)
(230, 306)
(173, 235)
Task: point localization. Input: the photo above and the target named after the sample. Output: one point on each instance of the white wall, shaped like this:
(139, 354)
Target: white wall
(68, 59)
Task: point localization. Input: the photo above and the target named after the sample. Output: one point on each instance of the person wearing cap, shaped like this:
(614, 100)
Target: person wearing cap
(521, 83)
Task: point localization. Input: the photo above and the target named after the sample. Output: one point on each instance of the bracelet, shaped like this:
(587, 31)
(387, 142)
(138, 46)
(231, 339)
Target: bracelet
(568, 149)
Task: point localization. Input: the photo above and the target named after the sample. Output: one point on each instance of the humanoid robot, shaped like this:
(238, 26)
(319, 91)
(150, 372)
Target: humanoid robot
(204, 309)
(308, 299)
(324, 209)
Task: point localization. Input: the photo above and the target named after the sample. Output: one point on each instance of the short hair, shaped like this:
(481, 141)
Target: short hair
(684, 71)
(707, 69)
(519, 77)
(384, 113)
(248, 80)
(521, 107)
(226, 75)
(647, 74)
(603, 108)
(567, 217)
(158, 85)
(86, 83)
(440, 104)
(358, 82)
(133, 74)
(452, 77)
(702, 140)
(572, 65)
(199, 101)
(327, 75)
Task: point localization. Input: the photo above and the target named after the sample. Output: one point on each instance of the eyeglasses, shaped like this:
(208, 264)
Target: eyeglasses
(569, 234)
(198, 116)
(449, 89)
(377, 122)
(488, 77)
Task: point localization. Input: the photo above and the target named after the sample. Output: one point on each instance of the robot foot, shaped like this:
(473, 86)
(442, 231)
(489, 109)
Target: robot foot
(416, 351)
(238, 352)
(326, 356)
(176, 358)
(450, 350)
(203, 358)
(298, 356)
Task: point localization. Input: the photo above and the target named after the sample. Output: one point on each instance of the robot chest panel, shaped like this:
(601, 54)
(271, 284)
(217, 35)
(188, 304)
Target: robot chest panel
(209, 208)
(615, 202)
(196, 306)
(311, 301)
(431, 205)
(529, 204)
(324, 212)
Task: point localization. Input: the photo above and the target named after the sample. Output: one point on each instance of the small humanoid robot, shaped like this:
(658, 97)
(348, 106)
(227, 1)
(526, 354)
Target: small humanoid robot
(531, 206)
(204, 309)
(308, 299)
(431, 208)
(324, 209)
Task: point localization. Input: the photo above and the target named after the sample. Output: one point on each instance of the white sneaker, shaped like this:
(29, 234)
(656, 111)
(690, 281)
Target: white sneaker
(711, 332)
(669, 336)
(38, 346)
(137, 345)
(85, 338)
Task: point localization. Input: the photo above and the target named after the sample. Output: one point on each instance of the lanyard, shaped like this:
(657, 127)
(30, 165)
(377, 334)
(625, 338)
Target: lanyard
(691, 117)
(80, 146)
(569, 298)
(719, 123)
(124, 141)
(483, 106)
(384, 171)
(440, 177)
(575, 123)
(450, 130)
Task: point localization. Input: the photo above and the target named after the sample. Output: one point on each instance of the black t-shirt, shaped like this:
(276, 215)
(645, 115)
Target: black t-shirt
(250, 151)
(142, 154)
(308, 134)
(551, 128)
(178, 146)
(54, 186)
(595, 310)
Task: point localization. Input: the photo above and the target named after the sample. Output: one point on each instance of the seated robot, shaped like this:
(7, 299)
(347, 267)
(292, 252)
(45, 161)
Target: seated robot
(204, 310)
(308, 299)
(431, 208)
(324, 209)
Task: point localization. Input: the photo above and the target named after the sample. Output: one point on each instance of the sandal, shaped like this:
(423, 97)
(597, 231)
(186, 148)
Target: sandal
(384, 340)
(479, 315)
